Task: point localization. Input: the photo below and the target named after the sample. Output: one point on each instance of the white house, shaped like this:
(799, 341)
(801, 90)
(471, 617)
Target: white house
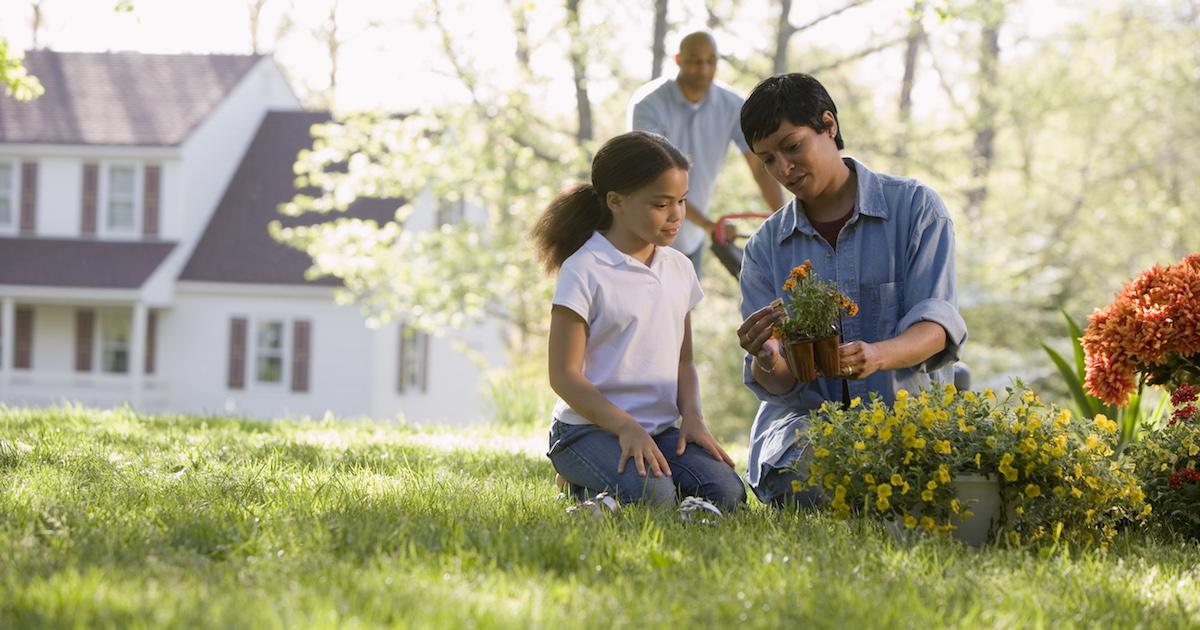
(136, 267)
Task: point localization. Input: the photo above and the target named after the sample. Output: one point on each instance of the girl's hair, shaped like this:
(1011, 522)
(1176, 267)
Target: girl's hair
(624, 164)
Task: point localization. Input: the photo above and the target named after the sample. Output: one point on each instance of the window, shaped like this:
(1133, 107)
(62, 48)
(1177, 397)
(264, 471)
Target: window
(450, 212)
(268, 351)
(114, 341)
(120, 206)
(10, 199)
(414, 360)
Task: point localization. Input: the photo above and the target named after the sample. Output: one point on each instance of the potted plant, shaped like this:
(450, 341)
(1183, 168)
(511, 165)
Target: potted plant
(1168, 462)
(809, 329)
(975, 466)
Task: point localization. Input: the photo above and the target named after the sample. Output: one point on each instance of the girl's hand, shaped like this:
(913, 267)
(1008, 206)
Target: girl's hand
(638, 444)
(695, 431)
(754, 335)
(860, 359)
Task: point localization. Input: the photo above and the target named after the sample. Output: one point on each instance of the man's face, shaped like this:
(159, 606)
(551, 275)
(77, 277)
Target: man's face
(697, 61)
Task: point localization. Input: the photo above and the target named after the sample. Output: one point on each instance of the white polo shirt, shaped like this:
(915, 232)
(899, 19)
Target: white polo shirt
(634, 315)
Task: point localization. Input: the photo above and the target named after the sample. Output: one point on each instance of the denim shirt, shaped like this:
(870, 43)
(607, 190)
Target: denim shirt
(895, 258)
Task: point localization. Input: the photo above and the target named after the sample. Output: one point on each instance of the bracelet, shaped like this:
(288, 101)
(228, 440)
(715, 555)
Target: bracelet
(762, 367)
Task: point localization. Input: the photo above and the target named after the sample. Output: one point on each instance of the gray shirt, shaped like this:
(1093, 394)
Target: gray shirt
(702, 131)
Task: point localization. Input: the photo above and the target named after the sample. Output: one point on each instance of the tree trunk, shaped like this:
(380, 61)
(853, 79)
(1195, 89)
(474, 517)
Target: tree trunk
(579, 70)
(783, 37)
(912, 47)
(983, 147)
(36, 22)
(255, 8)
(660, 36)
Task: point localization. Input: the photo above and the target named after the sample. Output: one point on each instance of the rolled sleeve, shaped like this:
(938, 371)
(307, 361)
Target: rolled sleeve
(930, 286)
(945, 315)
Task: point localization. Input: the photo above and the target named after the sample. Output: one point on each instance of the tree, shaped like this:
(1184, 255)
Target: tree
(17, 81)
(658, 43)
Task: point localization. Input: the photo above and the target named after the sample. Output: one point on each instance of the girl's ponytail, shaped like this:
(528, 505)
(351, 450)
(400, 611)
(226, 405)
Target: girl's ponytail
(568, 223)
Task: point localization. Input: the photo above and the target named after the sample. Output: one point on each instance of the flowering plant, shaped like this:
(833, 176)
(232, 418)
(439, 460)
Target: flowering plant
(812, 307)
(1168, 461)
(1151, 329)
(1056, 476)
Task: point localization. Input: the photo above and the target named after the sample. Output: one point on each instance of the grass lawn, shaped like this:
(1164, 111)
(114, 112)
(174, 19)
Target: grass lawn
(112, 520)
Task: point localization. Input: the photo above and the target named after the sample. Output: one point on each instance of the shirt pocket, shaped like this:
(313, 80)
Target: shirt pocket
(881, 311)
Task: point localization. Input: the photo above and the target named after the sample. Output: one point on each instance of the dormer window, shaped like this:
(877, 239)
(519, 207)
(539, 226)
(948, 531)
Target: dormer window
(121, 199)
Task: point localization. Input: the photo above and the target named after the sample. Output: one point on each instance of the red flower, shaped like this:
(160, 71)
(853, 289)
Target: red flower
(1183, 394)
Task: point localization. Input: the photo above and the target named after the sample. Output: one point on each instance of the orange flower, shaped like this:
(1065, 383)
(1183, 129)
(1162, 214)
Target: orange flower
(789, 284)
(1152, 323)
(801, 271)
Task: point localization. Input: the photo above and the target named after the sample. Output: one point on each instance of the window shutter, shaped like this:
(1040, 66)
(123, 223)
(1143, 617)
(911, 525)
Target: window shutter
(424, 362)
(300, 344)
(150, 199)
(23, 345)
(91, 181)
(237, 353)
(85, 327)
(29, 171)
(151, 333)
(400, 363)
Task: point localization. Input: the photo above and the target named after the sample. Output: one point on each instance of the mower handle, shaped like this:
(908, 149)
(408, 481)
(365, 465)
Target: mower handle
(719, 233)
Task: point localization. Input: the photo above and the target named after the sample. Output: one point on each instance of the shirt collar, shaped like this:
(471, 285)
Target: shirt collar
(680, 99)
(869, 200)
(607, 253)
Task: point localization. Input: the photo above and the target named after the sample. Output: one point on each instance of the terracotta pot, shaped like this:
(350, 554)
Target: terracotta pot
(800, 361)
(825, 352)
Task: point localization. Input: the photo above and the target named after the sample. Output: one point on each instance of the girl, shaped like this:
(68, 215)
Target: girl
(621, 337)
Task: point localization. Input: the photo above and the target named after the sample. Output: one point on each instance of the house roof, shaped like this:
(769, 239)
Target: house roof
(120, 98)
(79, 263)
(236, 247)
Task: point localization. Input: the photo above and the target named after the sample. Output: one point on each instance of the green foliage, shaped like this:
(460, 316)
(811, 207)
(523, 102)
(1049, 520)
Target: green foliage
(17, 81)
(813, 306)
(111, 519)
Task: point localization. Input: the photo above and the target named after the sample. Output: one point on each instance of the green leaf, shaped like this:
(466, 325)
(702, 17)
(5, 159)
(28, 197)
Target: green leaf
(1072, 381)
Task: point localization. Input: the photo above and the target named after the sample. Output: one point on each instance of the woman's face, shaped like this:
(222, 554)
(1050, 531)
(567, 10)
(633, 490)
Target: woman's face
(654, 212)
(800, 158)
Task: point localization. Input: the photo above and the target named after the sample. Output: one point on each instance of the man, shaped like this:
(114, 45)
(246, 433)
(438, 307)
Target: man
(886, 241)
(699, 117)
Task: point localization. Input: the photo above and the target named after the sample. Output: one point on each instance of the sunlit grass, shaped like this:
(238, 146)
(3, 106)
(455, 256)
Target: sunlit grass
(108, 519)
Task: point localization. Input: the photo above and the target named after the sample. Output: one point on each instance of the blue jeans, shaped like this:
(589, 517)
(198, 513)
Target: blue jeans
(777, 485)
(586, 455)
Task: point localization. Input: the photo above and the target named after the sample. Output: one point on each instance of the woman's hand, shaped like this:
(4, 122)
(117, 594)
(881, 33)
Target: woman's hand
(754, 335)
(860, 359)
(637, 444)
(695, 431)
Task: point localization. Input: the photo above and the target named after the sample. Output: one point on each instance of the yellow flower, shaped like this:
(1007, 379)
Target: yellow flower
(1076, 492)
(1092, 442)
(1145, 511)
(908, 458)
(882, 504)
(977, 458)
(796, 486)
(822, 452)
(1028, 396)
(989, 394)
(908, 431)
(955, 505)
(969, 396)
(883, 490)
(904, 488)
(927, 496)
(869, 478)
(1032, 491)
(856, 401)
(942, 446)
(927, 417)
(909, 521)
(918, 443)
(927, 523)
(931, 484)
(1104, 424)
(943, 474)
(859, 445)
(901, 394)
(885, 434)
(827, 429)
(1020, 510)
(897, 479)
(869, 431)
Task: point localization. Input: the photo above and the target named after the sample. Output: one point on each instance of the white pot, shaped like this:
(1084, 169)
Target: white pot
(977, 493)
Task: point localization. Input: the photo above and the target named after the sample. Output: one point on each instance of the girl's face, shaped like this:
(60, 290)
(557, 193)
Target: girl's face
(654, 212)
(801, 159)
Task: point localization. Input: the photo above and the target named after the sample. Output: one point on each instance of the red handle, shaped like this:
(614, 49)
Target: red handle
(719, 233)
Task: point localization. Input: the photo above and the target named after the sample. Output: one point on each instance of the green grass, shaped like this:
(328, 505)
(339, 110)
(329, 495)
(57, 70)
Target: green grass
(108, 519)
